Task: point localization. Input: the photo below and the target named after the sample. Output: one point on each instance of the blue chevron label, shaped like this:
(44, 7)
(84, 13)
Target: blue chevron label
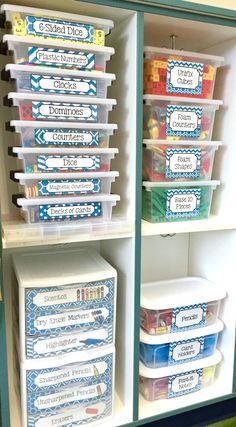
(184, 77)
(181, 384)
(183, 162)
(52, 84)
(183, 120)
(68, 186)
(183, 203)
(181, 351)
(64, 111)
(61, 58)
(64, 163)
(47, 27)
(70, 211)
(188, 317)
(79, 138)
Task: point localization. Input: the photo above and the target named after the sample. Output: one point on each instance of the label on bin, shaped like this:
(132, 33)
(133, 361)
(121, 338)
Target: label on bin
(181, 351)
(184, 383)
(69, 211)
(183, 203)
(60, 110)
(183, 121)
(55, 28)
(68, 85)
(68, 186)
(61, 58)
(184, 77)
(55, 163)
(192, 316)
(66, 137)
(183, 162)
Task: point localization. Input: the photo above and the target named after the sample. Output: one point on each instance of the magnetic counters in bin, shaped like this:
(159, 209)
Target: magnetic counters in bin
(177, 201)
(47, 52)
(177, 118)
(32, 106)
(178, 72)
(180, 347)
(48, 134)
(44, 23)
(176, 305)
(56, 80)
(175, 381)
(178, 160)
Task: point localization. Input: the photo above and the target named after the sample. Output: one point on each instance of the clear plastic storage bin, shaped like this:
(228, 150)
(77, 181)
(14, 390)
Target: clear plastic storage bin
(180, 347)
(87, 208)
(174, 381)
(44, 23)
(178, 160)
(60, 107)
(47, 134)
(41, 160)
(177, 305)
(177, 201)
(63, 54)
(52, 80)
(56, 184)
(177, 72)
(178, 119)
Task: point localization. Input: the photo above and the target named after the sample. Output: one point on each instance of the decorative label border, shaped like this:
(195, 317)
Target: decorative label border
(194, 151)
(197, 387)
(177, 310)
(95, 186)
(170, 109)
(43, 167)
(171, 64)
(79, 60)
(72, 211)
(77, 110)
(194, 213)
(92, 136)
(172, 361)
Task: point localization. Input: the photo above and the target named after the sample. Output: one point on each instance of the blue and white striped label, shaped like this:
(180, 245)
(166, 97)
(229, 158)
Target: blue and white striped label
(68, 186)
(183, 162)
(82, 138)
(184, 77)
(188, 317)
(55, 28)
(64, 111)
(61, 58)
(70, 211)
(55, 163)
(52, 84)
(183, 121)
(183, 203)
(181, 384)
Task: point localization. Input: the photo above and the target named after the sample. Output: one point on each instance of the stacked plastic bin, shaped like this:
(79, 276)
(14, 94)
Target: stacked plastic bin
(179, 333)
(178, 152)
(61, 85)
(66, 353)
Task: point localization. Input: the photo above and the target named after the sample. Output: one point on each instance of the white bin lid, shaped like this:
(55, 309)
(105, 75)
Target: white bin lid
(179, 369)
(64, 150)
(60, 268)
(167, 294)
(195, 55)
(150, 143)
(64, 175)
(21, 201)
(172, 184)
(181, 336)
(21, 96)
(37, 124)
(215, 103)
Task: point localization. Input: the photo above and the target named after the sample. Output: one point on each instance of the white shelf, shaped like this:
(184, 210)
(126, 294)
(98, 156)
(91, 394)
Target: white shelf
(212, 223)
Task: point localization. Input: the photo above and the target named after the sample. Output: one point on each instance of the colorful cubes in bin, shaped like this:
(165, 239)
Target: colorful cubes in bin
(50, 80)
(60, 107)
(180, 347)
(176, 72)
(178, 119)
(178, 160)
(177, 305)
(45, 134)
(177, 201)
(174, 381)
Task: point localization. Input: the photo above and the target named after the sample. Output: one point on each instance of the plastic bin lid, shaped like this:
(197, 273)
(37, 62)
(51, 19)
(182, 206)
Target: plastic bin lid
(162, 184)
(63, 175)
(37, 124)
(215, 328)
(21, 201)
(21, 96)
(179, 369)
(64, 150)
(150, 143)
(205, 102)
(196, 55)
(60, 267)
(166, 294)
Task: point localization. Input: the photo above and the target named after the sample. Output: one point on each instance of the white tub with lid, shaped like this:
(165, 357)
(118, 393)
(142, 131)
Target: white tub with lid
(174, 381)
(177, 305)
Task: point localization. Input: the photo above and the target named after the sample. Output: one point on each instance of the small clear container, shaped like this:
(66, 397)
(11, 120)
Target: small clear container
(49, 134)
(180, 347)
(178, 119)
(178, 305)
(63, 184)
(26, 50)
(174, 381)
(51, 80)
(41, 160)
(177, 201)
(178, 160)
(85, 209)
(178, 72)
(59, 107)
